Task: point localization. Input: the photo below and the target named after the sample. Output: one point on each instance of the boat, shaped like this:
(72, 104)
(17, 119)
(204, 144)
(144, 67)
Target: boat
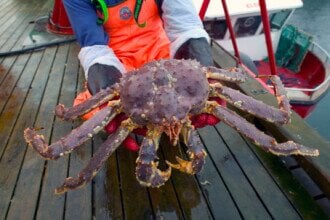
(302, 64)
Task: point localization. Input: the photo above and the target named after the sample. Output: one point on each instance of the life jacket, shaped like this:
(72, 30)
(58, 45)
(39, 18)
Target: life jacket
(135, 39)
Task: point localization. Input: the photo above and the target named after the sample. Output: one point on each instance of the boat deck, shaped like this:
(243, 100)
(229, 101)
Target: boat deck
(239, 181)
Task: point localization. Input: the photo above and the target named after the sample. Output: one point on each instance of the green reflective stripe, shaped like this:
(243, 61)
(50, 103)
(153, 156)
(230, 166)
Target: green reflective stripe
(137, 10)
(102, 6)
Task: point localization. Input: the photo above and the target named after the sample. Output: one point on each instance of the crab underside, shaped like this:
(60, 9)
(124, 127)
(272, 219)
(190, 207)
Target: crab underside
(163, 96)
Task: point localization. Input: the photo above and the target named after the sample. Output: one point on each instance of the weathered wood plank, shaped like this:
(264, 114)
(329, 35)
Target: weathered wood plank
(107, 190)
(17, 147)
(7, 14)
(215, 191)
(14, 77)
(164, 199)
(33, 163)
(189, 194)
(4, 5)
(268, 191)
(302, 201)
(50, 205)
(238, 184)
(219, 200)
(11, 73)
(135, 197)
(79, 202)
(13, 28)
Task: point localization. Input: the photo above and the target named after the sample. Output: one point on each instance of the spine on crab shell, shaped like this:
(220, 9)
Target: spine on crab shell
(77, 136)
(268, 143)
(105, 95)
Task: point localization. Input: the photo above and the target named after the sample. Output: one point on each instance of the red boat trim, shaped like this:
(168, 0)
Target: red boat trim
(231, 30)
(203, 9)
(266, 25)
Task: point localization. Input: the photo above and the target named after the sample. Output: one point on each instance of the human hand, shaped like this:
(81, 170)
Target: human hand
(101, 76)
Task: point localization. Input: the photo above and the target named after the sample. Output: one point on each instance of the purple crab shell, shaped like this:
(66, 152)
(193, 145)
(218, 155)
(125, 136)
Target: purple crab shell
(164, 91)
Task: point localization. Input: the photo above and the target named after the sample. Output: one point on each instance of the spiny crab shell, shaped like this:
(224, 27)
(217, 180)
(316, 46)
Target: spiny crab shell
(164, 92)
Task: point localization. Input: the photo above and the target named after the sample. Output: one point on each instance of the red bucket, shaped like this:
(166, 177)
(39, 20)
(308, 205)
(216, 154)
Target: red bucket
(58, 22)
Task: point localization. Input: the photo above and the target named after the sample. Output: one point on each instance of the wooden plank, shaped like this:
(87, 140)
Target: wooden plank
(107, 190)
(7, 14)
(51, 206)
(13, 27)
(298, 130)
(135, 197)
(219, 200)
(12, 141)
(234, 178)
(34, 163)
(268, 191)
(79, 201)
(4, 5)
(215, 191)
(302, 201)
(11, 74)
(12, 78)
(164, 199)
(189, 194)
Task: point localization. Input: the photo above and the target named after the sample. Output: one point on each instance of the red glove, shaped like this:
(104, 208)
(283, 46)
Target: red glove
(129, 142)
(205, 119)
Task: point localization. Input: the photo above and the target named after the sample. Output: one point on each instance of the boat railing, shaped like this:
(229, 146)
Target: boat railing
(320, 89)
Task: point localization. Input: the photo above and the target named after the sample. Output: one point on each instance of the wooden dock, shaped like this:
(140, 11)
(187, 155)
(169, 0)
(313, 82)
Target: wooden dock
(239, 181)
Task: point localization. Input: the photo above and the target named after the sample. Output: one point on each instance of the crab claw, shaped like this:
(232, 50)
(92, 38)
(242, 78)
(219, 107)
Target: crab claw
(149, 175)
(195, 151)
(147, 172)
(195, 165)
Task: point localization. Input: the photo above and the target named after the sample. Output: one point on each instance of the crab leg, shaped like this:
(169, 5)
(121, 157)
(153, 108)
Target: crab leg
(147, 172)
(74, 139)
(95, 164)
(251, 105)
(280, 93)
(98, 99)
(231, 75)
(268, 143)
(195, 151)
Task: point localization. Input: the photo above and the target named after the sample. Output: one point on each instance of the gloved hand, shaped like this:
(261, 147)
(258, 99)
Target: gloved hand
(101, 76)
(205, 119)
(196, 48)
(129, 142)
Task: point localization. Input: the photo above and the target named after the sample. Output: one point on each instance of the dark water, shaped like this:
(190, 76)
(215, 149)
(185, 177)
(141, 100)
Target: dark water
(314, 18)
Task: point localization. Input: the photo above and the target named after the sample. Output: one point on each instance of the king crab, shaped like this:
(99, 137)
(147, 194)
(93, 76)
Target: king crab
(163, 96)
